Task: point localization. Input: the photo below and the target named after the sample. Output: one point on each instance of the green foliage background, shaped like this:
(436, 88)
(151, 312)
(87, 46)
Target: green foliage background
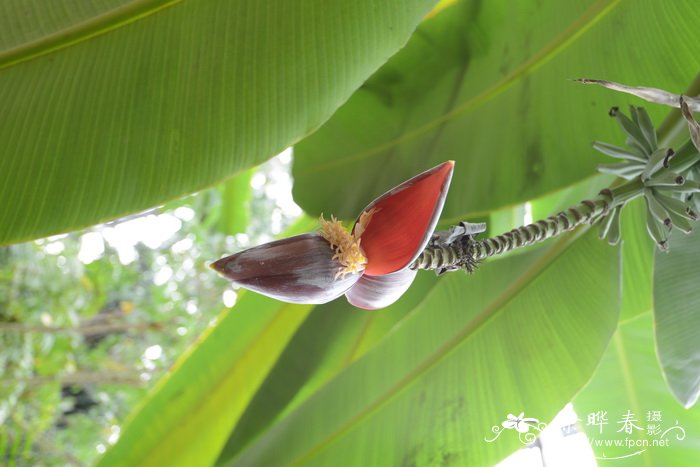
(123, 106)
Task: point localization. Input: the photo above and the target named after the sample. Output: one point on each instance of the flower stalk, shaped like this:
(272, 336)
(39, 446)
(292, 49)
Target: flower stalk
(466, 252)
(667, 181)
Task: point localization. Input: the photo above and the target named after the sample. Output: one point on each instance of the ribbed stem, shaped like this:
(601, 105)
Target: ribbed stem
(467, 252)
(585, 212)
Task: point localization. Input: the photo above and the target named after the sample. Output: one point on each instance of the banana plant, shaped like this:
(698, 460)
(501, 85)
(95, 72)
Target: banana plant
(393, 237)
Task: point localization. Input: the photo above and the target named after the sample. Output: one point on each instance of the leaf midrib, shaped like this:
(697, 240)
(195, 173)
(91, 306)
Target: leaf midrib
(627, 378)
(77, 33)
(561, 42)
(453, 343)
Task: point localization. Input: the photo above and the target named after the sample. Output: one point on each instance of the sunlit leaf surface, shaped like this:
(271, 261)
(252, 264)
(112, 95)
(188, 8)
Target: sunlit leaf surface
(114, 106)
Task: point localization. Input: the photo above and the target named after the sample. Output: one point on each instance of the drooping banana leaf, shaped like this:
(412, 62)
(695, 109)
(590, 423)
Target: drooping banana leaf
(114, 106)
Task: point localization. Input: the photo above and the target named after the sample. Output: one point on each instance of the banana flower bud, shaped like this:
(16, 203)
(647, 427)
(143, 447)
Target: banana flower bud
(370, 264)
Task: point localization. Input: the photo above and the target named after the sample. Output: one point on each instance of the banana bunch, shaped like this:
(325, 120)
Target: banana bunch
(666, 181)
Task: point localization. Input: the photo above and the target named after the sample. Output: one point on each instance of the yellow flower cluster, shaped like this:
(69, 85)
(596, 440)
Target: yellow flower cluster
(345, 245)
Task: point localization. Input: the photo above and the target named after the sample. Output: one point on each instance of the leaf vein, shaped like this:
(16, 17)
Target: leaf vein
(75, 34)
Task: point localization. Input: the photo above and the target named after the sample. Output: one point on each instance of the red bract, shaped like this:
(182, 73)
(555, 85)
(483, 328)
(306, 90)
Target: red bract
(370, 265)
(403, 220)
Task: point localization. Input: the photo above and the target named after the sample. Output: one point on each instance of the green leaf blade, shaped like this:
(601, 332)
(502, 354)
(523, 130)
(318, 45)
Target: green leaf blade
(431, 390)
(173, 101)
(331, 338)
(677, 322)
(498, 101)
(637, 261)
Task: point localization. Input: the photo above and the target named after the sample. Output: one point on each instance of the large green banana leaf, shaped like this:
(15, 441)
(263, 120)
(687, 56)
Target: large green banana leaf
(488, 84)
(331, 338)
(113, 106)
(519, 335)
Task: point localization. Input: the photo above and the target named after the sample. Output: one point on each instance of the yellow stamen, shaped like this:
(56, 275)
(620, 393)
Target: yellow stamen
(346, 246)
